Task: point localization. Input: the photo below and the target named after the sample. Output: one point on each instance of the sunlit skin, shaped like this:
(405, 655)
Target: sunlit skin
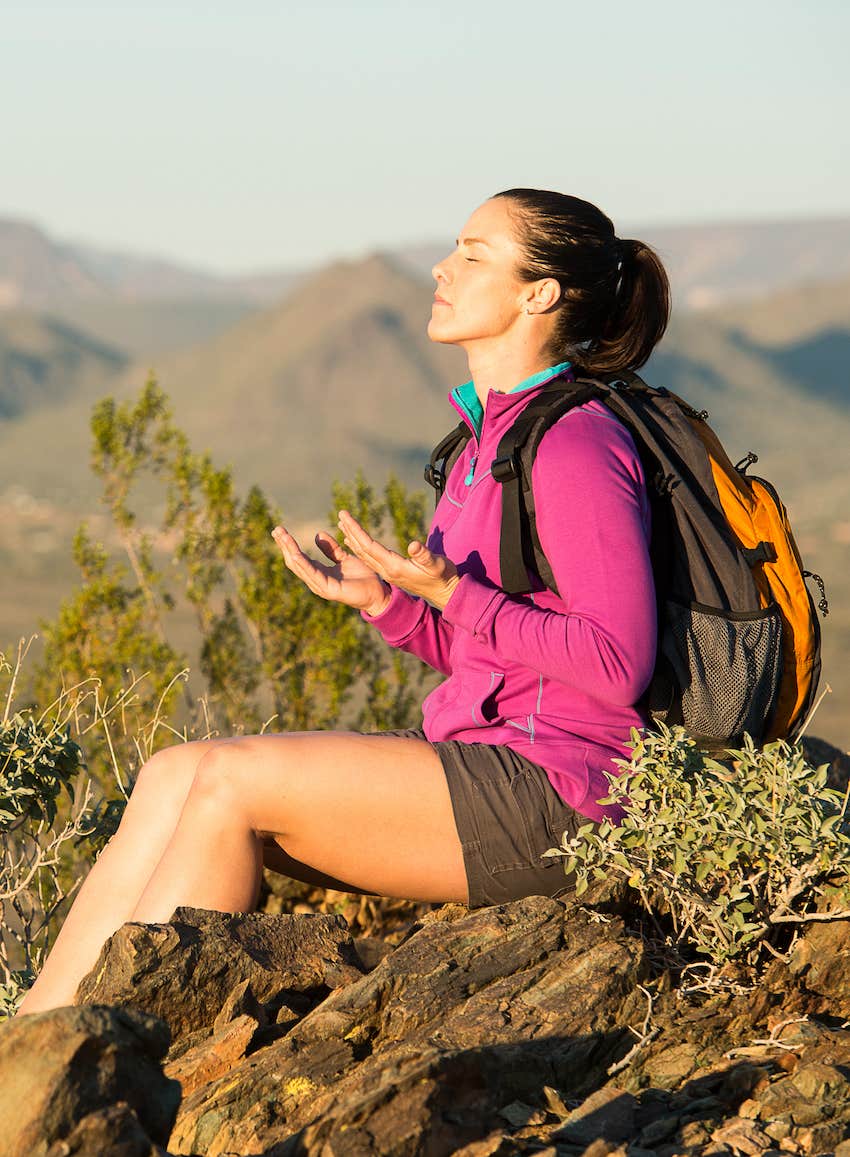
(204, 818)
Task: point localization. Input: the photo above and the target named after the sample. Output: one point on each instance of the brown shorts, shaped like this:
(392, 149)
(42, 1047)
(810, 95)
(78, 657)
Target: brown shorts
(507, 814)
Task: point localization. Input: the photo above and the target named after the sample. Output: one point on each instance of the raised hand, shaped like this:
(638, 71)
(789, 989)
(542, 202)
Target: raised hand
(348, 580)
(433, 576)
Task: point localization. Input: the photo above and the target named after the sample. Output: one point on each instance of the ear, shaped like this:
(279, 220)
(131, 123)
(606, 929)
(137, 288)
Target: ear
(543, 295)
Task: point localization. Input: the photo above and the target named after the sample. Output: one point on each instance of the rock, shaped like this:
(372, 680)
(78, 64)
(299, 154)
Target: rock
(820, 751)
(540, 1026)
(62, 1066)
(821, 963)
(742, 1136)
(213, 1057)
(608, 1114)
(187, 971)
(466, 1016)
(115, 1131)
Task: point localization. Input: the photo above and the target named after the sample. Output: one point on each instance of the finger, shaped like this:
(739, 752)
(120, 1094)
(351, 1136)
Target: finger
(297, 561)
(329, 547)
(419, 553)
(361, 543)
(353, 530)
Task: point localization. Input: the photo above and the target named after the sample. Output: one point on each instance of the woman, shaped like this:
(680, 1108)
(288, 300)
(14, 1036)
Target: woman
(538, 283)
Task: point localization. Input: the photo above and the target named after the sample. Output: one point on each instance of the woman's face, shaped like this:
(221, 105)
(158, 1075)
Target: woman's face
(478, 294)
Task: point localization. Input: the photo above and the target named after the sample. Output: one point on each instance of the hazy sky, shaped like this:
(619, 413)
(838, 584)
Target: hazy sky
(257, 134)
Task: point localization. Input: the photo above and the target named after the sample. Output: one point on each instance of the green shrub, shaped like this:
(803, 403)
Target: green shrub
(733, 853)
(45, 798)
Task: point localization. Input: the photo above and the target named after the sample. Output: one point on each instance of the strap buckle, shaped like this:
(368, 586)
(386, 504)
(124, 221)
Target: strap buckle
(505, 469)
(435, 477)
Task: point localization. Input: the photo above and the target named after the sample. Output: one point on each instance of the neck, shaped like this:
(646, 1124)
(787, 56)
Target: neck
(502, 369)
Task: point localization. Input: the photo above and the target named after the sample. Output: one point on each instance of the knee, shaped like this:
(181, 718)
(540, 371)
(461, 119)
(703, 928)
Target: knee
(164, 781)
(219, 778)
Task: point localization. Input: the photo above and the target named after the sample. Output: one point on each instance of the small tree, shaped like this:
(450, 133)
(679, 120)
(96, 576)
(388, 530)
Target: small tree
(269, 653)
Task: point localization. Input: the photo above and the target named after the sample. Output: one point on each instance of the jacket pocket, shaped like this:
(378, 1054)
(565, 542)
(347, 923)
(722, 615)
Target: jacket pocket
(480, 692)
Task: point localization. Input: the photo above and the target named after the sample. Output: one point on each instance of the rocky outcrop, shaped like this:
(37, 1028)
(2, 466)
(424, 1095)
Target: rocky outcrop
(209, 975)
(539, 1026)
(64, 1072)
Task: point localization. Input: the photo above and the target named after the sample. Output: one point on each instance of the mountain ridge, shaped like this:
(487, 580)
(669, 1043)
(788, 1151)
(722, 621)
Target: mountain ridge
(708, 263)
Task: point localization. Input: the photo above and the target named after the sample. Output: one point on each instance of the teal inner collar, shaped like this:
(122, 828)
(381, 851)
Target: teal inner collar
(467, 399)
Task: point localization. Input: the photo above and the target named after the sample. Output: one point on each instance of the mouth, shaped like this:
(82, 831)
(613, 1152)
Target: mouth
(439, 300)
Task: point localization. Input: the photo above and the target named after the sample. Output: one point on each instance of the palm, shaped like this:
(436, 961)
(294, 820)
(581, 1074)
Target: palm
(348, 580)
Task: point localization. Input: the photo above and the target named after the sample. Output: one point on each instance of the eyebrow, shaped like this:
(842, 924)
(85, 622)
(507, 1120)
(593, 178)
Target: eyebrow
(471, 241)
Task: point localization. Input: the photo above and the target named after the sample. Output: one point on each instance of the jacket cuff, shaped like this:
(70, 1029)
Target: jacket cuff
(399, 618)
(473, 606)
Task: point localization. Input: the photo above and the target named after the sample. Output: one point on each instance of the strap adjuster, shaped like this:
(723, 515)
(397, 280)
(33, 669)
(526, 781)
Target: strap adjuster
(505, 469)
(435, 477)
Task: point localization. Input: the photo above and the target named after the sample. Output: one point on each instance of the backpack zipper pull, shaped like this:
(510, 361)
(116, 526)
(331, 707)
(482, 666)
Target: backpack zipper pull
(746, 462)
(823, 605)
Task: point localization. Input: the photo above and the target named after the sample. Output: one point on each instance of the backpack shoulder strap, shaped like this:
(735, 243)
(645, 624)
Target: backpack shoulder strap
(444, 455)
(519, 547)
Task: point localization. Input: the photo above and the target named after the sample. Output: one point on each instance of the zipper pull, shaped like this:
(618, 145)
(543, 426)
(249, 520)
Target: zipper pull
(468, 479)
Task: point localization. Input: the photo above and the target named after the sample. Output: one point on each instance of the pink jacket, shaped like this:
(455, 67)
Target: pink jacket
(556, 678)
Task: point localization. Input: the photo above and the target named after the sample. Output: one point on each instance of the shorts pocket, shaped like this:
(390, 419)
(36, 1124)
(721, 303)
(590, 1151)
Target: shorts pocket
(513, 822)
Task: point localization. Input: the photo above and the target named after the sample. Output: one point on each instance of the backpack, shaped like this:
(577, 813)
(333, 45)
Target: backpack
(739, 638)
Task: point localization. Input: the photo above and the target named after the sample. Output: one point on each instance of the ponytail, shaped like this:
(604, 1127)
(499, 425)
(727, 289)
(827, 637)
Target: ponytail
(615, 295)
(638, 319)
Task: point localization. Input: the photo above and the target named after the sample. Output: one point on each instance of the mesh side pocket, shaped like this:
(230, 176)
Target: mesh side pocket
(727, 667)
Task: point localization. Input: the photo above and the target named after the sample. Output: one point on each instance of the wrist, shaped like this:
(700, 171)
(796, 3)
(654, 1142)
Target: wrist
(450, 588)
(381, 604)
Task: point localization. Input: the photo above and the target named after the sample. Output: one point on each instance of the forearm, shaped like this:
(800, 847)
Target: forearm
(413, 625)
(609, 656)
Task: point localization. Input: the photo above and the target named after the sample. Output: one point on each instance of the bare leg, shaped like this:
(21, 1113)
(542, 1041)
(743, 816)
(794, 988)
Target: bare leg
(120, 874)
(374, 810)
(203, 816)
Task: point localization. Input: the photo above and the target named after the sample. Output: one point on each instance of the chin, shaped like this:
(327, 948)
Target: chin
(441, 332)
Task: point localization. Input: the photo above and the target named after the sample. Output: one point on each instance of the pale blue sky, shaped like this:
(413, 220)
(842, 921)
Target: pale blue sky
(239, 136)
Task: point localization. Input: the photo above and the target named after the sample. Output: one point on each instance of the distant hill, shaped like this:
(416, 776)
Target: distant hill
(709, 264)
(38, 270)
(145, 330)
(44, 362)
(341, 374)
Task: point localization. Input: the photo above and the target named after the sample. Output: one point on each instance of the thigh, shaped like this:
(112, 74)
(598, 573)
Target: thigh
(371, 810)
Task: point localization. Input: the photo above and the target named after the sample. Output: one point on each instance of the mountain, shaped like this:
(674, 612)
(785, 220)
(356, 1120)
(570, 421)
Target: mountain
(38, 270)
(339, 376)
(146, 330)
(44, 362)
(708, 264)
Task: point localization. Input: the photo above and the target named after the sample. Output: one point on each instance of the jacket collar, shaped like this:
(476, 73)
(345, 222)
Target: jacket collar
(465, 399)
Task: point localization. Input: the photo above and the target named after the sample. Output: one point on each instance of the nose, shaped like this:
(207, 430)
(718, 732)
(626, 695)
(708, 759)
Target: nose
(439, 272)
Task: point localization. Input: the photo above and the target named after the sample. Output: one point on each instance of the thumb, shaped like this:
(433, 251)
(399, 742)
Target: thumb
(421, 555)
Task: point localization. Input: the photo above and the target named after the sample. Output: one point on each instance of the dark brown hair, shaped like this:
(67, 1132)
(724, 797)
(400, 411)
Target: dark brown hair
(615, 296)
